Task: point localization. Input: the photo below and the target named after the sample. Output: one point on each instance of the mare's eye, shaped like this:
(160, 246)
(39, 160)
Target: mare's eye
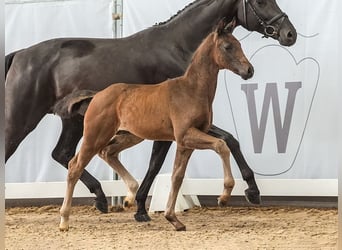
(261, 3)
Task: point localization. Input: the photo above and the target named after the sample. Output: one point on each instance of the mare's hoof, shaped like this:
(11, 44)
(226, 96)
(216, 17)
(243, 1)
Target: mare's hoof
(253, 196)
(101, 205)
(142, 217)
(181, 228)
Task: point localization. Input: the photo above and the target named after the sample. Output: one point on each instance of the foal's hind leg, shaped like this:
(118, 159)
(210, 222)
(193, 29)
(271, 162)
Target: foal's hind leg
(71, 134)
(181, 161)
(97, 134)
(252, 194)
(110, 153)
(75, 169)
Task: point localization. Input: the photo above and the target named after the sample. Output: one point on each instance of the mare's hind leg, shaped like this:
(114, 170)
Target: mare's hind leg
(72, 130)
(252, 193)
(159, 151)
(23, 111)
(121, 141)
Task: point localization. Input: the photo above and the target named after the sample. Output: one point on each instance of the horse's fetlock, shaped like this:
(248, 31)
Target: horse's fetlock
(229, 184)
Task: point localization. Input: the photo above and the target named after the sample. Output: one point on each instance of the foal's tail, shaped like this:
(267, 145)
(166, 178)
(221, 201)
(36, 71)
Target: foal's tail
(8, 61)
(73, 104)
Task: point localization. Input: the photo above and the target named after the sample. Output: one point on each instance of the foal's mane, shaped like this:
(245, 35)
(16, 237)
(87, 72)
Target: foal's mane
(203, 48)
(183, 10)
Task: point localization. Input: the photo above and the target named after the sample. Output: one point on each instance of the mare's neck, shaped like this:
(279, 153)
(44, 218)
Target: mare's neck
(202, 72)
(196, 21)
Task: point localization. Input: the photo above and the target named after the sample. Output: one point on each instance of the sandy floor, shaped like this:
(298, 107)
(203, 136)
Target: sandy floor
(207, 228)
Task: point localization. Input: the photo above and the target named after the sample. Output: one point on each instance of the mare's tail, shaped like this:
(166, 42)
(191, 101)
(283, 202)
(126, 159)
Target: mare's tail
(75, 103)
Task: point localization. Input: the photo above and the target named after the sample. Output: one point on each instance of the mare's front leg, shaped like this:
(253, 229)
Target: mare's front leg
(159, 151)
(120, 142)
(72, 130)
(181, 161)
(252, 193)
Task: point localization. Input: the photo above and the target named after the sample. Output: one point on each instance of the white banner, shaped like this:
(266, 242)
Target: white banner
(286, 117)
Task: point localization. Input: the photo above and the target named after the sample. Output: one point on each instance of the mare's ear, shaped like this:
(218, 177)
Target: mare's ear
(230, 26)
(224, 27)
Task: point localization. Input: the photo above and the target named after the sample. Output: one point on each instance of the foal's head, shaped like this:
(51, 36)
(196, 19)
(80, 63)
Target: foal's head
(228, 53)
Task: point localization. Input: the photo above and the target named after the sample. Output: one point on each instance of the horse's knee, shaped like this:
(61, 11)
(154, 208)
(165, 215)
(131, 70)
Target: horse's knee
(108, 152)
(221, 147)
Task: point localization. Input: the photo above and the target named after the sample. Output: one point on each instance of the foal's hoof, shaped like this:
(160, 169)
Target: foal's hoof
(63, 227)
(142, 217)
(128, 204)
(253, 196)
(222, 202)
(101, 205)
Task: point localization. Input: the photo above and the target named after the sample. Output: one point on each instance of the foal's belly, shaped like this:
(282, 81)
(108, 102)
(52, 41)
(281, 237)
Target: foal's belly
(155, 130)
(147, 124)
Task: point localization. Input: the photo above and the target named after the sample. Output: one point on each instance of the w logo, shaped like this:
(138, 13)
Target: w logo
(282, 127)
(270, 115)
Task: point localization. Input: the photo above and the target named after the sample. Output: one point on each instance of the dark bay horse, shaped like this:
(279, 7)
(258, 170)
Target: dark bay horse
(178, 109)
(39, 76)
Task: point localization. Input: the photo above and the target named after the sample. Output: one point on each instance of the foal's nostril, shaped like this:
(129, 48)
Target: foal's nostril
(289, 34)
(250, 71)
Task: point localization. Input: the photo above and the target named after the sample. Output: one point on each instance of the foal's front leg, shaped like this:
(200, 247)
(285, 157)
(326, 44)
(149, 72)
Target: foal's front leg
(197, 139)
(252, 193)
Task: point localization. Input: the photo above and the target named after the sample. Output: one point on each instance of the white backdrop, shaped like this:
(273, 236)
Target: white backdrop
(27, 24)
(314, 140)
(310, 69)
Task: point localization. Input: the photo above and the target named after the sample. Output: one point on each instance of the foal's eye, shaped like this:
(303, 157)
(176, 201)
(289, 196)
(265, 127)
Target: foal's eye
(227, 46)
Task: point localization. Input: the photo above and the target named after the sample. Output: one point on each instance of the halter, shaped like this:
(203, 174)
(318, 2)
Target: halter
(269, 29)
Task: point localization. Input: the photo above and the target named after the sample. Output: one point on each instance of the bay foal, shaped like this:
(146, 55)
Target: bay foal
(178, 109)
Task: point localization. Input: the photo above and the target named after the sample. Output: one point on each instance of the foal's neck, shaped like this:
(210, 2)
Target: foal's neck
(202, 72)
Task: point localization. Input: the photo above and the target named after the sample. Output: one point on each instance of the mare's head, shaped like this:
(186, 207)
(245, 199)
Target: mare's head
(267, 18)
(228, 53)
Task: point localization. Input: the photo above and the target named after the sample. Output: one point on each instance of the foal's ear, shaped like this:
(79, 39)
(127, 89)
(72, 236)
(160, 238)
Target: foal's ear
(224, 27)
(230, 26)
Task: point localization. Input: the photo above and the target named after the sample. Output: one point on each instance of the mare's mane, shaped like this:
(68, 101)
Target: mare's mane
(180, 12)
